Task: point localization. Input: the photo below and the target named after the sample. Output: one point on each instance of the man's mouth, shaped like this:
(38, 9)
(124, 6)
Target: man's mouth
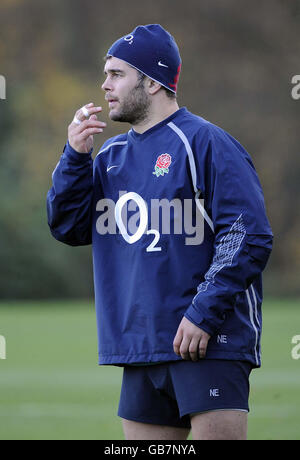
(111, 101)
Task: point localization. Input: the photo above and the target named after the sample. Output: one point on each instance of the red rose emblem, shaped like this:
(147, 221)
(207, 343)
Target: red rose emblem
(162, 164)
(164, 161)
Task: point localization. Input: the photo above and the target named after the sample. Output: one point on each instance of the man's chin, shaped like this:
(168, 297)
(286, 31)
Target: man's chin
(114, 116)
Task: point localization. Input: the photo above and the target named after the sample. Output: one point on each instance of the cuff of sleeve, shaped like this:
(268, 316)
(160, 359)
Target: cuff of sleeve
(71, 153)
(197, 318)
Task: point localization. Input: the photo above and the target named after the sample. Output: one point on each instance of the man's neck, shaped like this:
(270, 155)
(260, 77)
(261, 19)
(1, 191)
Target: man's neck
(156, 115)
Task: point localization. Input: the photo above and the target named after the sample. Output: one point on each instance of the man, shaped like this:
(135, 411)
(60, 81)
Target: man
(181, 314)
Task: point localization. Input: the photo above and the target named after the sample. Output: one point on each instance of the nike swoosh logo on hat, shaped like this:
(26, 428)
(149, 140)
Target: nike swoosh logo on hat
(110, 167)
(162, 65)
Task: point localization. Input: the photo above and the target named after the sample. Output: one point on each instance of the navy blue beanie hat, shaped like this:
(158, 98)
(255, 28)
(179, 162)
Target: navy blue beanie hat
(153, 51)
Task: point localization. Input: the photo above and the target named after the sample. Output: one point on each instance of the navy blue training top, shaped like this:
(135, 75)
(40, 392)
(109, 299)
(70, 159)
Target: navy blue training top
(177, 222)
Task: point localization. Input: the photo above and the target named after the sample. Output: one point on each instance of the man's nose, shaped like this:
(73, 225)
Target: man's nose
(106, 86)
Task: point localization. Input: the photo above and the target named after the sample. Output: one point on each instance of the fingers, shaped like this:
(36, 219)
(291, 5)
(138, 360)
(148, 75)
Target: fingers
(191, 343)
(85, 112)
(193, 349)
(203, 346)
(84, 126)
(181, 344)
(184, 347)
(177, 341)
(89, 126)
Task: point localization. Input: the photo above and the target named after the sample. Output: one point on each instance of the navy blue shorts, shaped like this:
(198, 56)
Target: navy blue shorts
(167, 393)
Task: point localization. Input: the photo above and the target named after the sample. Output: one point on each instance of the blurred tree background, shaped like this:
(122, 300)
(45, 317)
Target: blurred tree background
(238, 61)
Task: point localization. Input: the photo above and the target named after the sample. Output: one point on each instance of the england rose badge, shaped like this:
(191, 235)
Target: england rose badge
(162, 164)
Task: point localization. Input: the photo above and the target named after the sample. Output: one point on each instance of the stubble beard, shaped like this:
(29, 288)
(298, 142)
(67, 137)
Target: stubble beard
(135, 107)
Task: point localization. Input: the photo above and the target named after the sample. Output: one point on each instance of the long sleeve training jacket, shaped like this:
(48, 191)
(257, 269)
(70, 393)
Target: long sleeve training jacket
(177, 222)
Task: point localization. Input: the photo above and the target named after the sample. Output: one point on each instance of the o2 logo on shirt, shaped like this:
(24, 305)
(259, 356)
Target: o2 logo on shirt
(143, 221)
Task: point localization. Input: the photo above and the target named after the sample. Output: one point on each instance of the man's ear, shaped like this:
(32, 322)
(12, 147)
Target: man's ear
(153, 86)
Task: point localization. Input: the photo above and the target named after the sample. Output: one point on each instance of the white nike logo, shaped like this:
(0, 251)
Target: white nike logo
(110, 167)
(162, 65)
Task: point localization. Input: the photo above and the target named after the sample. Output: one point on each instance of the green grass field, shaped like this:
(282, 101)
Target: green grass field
(52, 388)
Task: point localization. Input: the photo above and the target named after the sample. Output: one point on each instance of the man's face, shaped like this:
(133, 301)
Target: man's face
(125, 92)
